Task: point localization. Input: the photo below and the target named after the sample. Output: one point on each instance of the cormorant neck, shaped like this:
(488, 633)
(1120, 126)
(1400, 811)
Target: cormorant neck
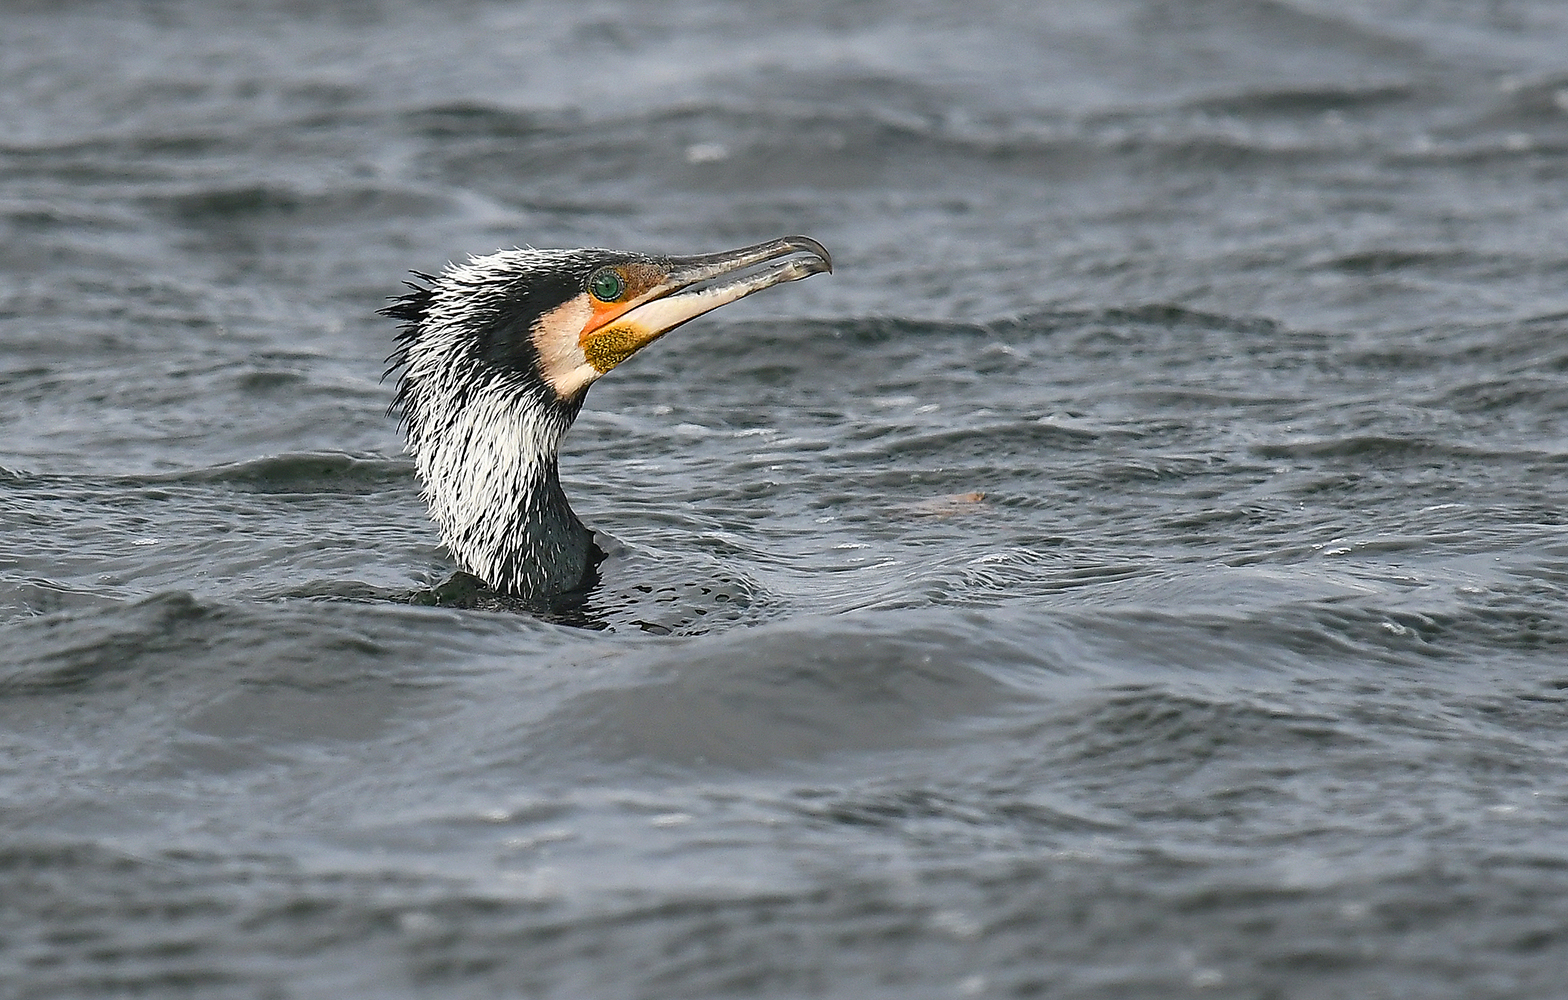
(547, 551)
(488, 462)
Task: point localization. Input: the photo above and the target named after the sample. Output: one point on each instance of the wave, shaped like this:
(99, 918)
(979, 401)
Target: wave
(191, 647)
(874, 331)
(289, 472)
(1537, 108)
(222, 204)
(723, 145)
(1388, 447)
(308, 471)
(1307, 102)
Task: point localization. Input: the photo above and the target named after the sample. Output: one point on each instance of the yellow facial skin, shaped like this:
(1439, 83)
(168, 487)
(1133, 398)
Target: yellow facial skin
(609, 346)
(587, 337)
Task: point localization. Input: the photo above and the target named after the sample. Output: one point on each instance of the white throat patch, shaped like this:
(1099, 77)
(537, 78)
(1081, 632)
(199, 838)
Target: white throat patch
(557, 338)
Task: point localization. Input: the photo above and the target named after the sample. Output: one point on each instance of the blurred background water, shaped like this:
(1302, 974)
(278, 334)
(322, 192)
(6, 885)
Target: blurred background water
(1139, 571)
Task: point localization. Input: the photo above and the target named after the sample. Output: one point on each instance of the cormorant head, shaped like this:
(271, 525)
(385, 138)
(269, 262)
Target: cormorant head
(496, 356)
(548, 323)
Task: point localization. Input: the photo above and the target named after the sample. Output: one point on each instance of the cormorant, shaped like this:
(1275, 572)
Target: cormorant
(497, 355)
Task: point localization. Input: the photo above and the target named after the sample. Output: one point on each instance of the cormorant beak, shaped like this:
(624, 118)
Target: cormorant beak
(661, 293)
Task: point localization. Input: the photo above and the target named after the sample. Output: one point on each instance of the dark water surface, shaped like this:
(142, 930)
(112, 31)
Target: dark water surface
(1140, 571)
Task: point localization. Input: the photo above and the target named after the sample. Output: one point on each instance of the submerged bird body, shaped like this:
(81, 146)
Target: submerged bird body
(497, 355)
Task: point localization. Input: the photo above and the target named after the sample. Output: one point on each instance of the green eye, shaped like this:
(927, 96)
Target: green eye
(606, 285)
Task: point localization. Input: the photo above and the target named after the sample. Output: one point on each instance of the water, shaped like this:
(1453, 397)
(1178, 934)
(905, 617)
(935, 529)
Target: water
(1139, 571)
